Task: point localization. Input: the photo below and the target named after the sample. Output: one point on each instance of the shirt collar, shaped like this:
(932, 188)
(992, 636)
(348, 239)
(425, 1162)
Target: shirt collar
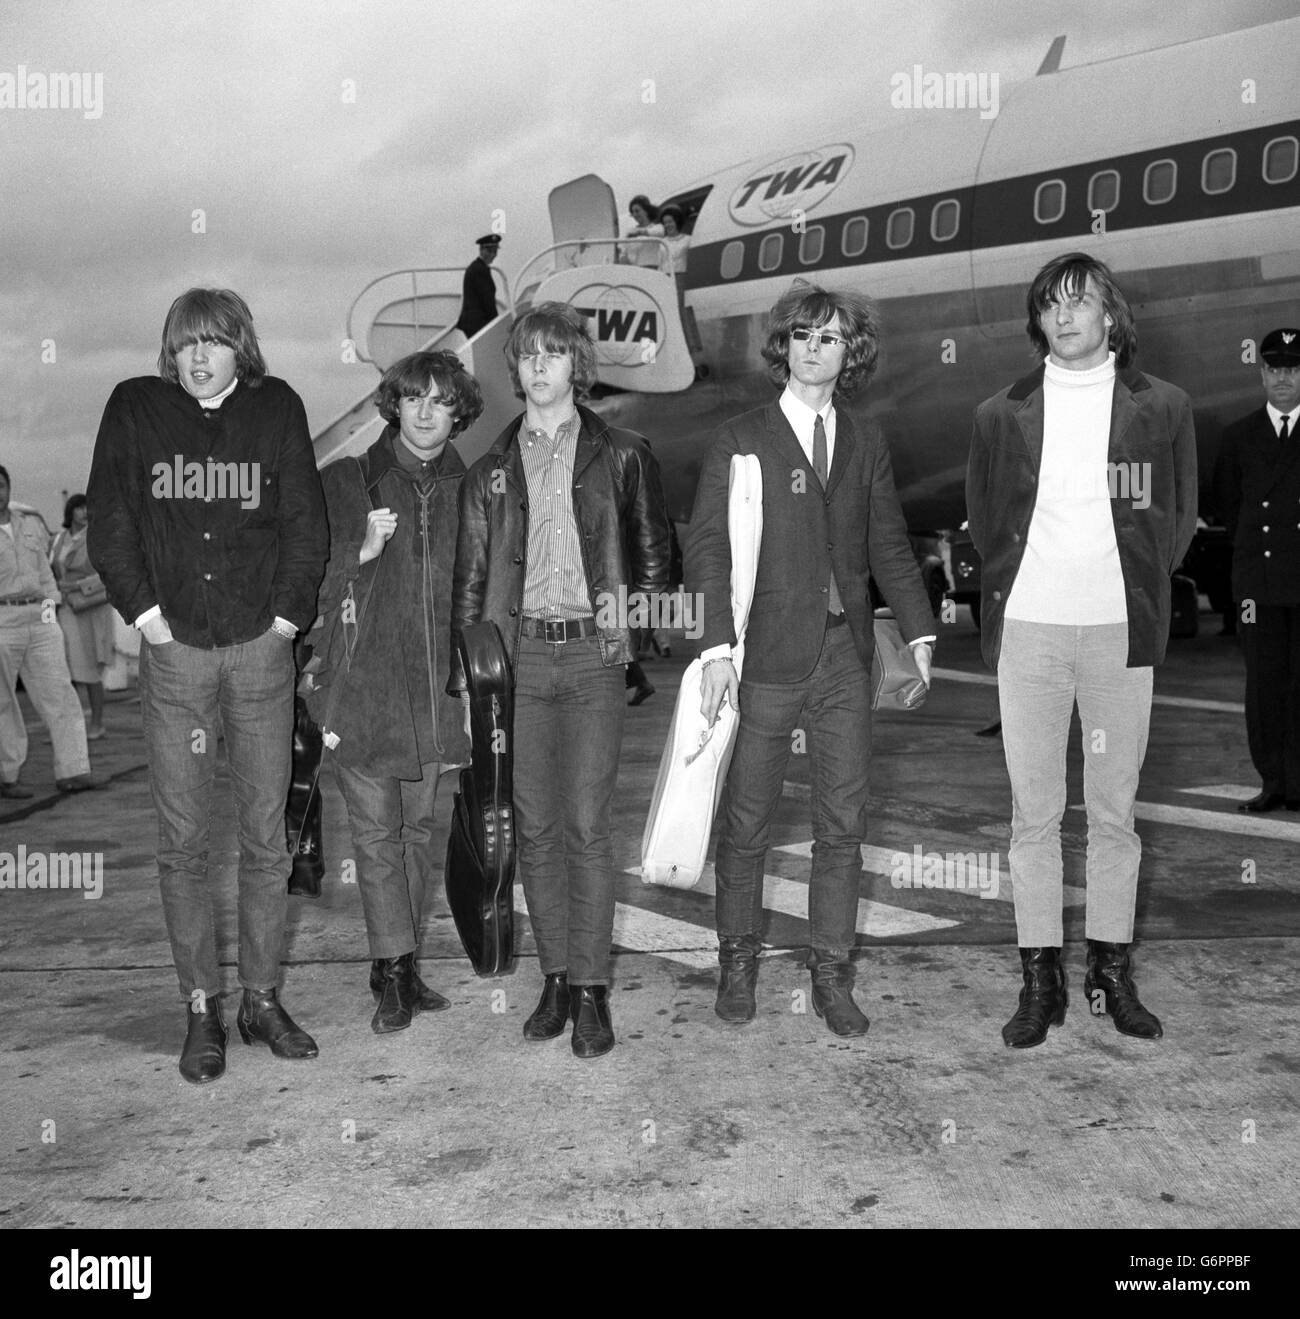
(564, 431)
(800, 415)
(218, 399)
(1276, 417)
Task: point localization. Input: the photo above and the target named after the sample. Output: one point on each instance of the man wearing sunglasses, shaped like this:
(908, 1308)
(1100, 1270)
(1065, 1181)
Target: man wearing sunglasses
(831, 518)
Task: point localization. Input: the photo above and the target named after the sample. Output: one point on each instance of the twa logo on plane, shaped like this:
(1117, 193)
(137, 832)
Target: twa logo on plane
(798, 182)
(625, 321)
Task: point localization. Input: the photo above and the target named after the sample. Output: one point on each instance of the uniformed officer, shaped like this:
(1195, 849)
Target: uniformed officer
(478, 303)
(1258, 479)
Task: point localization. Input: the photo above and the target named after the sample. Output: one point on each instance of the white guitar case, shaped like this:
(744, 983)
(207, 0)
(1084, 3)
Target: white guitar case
(696, 757)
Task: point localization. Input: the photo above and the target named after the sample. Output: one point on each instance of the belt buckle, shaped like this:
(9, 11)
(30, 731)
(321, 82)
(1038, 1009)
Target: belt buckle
(551, 624)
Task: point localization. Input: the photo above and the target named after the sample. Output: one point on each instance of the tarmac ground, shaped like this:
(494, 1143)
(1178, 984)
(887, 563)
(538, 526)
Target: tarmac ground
(927, 1122)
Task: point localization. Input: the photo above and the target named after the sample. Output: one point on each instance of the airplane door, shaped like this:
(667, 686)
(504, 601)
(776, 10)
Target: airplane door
(633, 311)
(585, 208)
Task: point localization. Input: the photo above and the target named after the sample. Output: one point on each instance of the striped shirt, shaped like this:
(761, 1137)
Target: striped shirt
(555, 583)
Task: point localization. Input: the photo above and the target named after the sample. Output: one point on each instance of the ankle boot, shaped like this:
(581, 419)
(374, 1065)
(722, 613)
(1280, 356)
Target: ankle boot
(203, 1058)
(398, 1001)
(1043, 999)
(738, 958)
(551, 1014)
(262, 1018)
(426, 999)
(1109, 973)
(593, 1031)
(832, 994)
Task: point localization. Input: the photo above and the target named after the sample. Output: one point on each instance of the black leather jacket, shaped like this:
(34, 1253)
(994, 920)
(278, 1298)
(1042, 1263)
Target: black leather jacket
(618, 503)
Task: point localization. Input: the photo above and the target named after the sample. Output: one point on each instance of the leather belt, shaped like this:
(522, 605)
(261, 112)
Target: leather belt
(836, 620)
(559, 630)
(24, 600)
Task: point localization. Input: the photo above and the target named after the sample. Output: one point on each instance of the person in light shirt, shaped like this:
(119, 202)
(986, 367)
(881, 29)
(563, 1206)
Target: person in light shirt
(1081, 496)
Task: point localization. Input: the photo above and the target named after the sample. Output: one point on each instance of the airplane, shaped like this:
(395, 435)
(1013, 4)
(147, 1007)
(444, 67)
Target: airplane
(1178, 166)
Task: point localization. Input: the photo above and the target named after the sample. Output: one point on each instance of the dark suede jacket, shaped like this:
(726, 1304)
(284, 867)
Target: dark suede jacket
(392, 714)
(1151, 424)
(220, 566)
(618, 502)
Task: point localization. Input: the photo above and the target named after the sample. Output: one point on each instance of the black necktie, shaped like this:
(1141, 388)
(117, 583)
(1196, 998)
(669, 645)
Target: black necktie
(1282, 434)
(822, 468)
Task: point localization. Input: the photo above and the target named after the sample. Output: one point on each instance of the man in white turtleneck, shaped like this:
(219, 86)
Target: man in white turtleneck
(1081, 494)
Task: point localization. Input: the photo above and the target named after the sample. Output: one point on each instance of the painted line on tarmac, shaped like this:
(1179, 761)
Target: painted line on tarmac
(641, 931)
(884, 860)
(878, 919)
(1252, 826)
(1229, 791)
(789, 897)
(1179, 702)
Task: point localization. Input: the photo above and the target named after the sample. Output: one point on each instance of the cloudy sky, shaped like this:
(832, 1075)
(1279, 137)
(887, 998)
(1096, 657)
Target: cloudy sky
(330, 141)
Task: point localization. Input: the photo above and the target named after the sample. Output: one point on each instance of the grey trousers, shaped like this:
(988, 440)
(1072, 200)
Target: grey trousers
(1043, 670)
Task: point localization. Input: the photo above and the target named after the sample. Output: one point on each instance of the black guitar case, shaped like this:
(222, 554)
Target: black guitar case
(302, 822)
(480, 870)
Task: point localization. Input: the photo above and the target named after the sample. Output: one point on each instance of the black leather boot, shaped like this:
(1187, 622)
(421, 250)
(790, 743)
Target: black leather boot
(738, 958)
(1109, 972)
(263, 1018)
(302, 818)
(551, 1014)
(426, 999)
(593, 1031)
(1043, 999)
(203, 1058)
(398, 997)
(832, 994)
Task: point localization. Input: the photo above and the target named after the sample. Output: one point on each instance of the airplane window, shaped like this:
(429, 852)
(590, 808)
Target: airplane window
(853, 242)
(1280, 159)
(769, 252)
(1219, 171)
(1049, 201)
(811, 244)
(733, 258)
(1159, 182)
(944, 219)
(1103, 191)
(898, 229)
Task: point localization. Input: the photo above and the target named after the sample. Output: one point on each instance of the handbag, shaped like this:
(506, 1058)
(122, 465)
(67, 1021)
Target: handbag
(896, 682)
(696, 757)
(85, 593)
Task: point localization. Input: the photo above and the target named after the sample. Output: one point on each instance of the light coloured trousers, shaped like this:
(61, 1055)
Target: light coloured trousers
(31, 647)
(1043, 669)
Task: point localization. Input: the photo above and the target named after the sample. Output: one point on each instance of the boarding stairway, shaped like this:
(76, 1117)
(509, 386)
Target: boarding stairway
(633, 312)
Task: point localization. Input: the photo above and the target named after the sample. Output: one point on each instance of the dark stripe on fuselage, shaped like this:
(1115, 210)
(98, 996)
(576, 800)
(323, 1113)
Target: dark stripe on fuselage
(1001, 213)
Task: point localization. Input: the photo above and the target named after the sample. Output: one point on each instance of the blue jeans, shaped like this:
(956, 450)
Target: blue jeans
(832, 709)
(184, 692)
(1043, 669)
(568, 732)
(392, 832)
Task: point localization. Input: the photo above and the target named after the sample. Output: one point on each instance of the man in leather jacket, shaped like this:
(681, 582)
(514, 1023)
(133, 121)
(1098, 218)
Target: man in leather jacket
(562, 522)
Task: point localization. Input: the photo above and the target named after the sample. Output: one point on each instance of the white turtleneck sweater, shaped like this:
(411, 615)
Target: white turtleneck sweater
(1071, 572)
